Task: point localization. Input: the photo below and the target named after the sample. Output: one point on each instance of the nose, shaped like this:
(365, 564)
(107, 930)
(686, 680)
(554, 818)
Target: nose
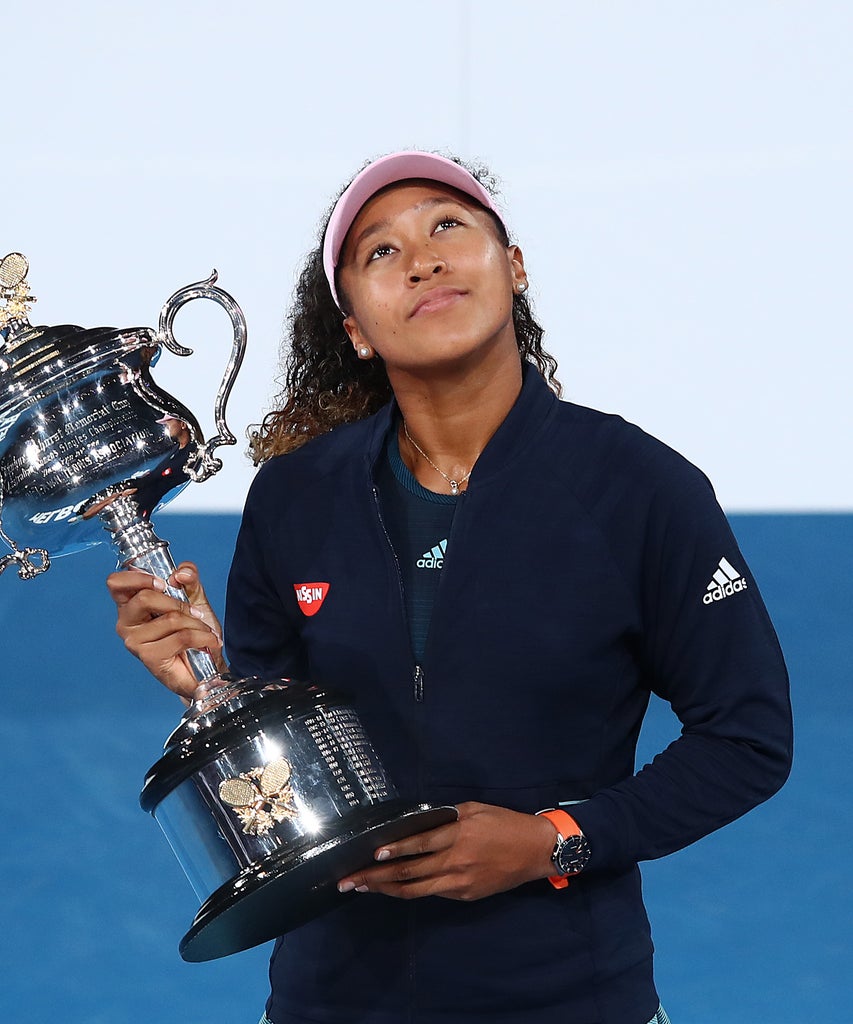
(425, 264)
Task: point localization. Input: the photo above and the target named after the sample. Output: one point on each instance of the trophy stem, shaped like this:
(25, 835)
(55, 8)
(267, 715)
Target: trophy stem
(139, 547)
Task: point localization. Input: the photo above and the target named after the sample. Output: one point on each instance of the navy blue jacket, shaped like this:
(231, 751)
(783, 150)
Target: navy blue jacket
(588, 565)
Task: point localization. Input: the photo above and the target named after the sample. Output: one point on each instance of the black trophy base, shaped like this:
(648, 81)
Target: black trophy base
(291, 887)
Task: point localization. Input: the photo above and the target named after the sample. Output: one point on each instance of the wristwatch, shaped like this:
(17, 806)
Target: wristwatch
(571, 851)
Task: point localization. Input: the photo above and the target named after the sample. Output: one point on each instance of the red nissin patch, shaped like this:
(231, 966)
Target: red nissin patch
(310, 596)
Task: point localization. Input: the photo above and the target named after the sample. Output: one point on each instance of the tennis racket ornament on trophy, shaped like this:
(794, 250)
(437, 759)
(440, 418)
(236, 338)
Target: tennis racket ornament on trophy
(269, 791)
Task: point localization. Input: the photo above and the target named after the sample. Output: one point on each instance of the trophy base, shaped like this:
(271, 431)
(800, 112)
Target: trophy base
(291, 887)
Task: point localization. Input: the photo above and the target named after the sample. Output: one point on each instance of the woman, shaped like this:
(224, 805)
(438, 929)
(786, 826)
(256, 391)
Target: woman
(508, 577)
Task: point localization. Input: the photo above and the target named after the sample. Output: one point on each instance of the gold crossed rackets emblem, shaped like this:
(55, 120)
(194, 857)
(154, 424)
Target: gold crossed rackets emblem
(260, 797)
(14, 290)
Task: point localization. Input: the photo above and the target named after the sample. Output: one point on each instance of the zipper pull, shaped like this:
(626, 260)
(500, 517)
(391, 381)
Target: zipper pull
(419, 684)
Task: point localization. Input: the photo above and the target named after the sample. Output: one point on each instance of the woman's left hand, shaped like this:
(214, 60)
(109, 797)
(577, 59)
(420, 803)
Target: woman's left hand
(488, 850)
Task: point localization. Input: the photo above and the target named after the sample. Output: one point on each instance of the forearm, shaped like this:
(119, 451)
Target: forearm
(697, 785)
(488, 850)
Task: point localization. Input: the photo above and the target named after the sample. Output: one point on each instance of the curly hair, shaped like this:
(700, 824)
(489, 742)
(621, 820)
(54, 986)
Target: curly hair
(324, 382)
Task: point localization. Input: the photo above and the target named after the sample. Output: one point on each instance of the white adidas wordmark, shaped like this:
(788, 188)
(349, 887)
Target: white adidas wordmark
(434, 558)
(725, 582)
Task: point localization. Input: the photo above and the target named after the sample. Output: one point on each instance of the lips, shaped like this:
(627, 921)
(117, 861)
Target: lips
(435, 300)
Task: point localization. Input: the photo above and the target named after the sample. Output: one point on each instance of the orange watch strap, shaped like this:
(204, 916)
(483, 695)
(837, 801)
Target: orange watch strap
(566, 826)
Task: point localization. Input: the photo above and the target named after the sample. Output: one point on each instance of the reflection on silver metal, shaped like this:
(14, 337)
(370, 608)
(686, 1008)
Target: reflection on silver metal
(276, 741)
(269, 791)
(83, 425)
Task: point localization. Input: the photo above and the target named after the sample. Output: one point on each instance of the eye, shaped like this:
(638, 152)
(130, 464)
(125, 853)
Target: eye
(447, 222)
(378, 252)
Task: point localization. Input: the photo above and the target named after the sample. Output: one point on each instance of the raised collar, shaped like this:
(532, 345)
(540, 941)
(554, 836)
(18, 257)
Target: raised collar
(535, 405)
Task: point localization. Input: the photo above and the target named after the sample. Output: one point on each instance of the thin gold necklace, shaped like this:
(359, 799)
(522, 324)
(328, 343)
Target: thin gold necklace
(454, 484)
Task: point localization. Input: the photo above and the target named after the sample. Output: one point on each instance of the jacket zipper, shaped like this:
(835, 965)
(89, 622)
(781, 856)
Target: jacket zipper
(418, 674)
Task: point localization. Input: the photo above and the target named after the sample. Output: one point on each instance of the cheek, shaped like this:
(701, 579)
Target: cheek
(364, 289)
(495, 266)
(375, 309)
(374, 320)
(497, 280)
(366, 302)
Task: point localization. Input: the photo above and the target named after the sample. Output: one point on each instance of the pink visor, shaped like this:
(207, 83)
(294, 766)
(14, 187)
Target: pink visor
(386, 171)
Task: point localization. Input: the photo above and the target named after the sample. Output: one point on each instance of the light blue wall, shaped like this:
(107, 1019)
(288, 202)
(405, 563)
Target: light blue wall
(94, 903)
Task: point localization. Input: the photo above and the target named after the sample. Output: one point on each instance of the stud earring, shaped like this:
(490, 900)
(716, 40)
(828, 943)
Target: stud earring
(521, 288)
(364, 352)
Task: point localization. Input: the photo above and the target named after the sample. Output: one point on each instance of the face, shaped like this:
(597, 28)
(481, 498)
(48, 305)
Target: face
(427, 280)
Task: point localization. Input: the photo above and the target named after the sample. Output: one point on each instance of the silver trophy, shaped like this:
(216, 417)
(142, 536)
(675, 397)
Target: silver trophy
(269, 791)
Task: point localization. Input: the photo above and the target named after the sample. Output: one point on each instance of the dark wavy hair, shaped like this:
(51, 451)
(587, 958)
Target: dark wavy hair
(325, 384)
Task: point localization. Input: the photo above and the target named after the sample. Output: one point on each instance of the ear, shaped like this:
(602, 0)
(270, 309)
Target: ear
(353, 331)
(516, 262)
(363, 348)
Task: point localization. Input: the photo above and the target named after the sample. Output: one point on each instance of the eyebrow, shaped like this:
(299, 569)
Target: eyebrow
(377, 227)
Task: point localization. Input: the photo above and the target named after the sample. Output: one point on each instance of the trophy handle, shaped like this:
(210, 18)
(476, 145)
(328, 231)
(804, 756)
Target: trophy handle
(203, 464)
(28, 568)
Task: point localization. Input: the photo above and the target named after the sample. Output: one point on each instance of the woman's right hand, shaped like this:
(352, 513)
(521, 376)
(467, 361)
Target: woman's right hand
(159, 629)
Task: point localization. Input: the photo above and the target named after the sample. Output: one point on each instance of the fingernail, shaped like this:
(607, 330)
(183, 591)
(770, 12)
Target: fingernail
(184, 575)
(197, 614)
(361, 888)
(158, 584)
(383, 855)
(345, 886)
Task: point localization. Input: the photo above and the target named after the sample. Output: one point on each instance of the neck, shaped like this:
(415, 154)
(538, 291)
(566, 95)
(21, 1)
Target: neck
(452, 419)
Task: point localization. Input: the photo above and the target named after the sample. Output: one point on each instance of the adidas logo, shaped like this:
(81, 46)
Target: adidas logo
(434, 558)
(725, 582)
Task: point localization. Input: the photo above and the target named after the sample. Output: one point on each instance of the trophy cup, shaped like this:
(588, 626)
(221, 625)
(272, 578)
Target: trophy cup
(268, 791)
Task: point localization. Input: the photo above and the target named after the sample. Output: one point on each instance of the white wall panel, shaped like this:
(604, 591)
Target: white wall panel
(679, 176)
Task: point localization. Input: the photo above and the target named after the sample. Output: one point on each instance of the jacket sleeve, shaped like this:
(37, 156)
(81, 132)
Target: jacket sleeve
(260, 637)
(709, 649)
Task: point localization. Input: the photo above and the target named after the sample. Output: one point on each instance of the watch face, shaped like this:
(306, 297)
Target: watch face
(573, 855)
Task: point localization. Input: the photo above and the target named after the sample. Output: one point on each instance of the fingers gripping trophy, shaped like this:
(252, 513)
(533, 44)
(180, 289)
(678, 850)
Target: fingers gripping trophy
(268, 791)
